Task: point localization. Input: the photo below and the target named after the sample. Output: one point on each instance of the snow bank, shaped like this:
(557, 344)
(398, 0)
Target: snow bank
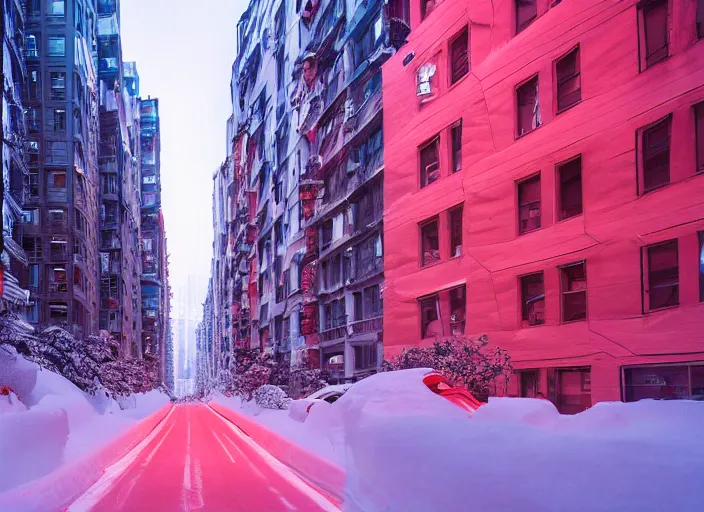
(414, 454)
(62, 422)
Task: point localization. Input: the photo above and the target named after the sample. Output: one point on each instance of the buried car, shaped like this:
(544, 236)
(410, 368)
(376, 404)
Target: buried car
(433, 380)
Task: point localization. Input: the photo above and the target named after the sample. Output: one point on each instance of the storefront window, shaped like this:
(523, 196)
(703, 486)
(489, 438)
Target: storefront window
(676, 382)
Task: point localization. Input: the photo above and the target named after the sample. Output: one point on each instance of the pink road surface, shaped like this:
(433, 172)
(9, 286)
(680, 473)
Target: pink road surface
(197, 460)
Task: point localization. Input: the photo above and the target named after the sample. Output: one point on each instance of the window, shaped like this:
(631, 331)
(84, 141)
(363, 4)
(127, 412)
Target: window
(656, 155)
(574, 291)
(701, 266)
(372, 301)
(532, 299)
(458, 307)
(430, 324)
(365, 357)
(326, 235)
(57, 179)
(31, 217)
(58, 86)
(662, 286)
(529, 205)
(57, 46)
(459, 56)
(33, 119)
(570, 183)
(32, 245)
(427, 7)
(56, 152)
(700, 18)
(456, 231)
(429, 163)
(456, 136)
(425, 80)
(58, 119)
(430, 242)
(699, 131)
(526, 12)
(34, 276)
(528, 106)
(567, 71)
(57, 9)
(653, 31)
(34, 85)
(58, 311)
(31, 48)
(667, 382)
(399, 10)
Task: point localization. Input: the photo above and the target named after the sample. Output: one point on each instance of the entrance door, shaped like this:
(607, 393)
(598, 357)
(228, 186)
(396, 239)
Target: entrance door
(529, 384)
(574, 393)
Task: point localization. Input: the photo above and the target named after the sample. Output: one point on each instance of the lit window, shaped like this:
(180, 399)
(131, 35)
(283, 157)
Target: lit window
(456, 231)
(532, 299)
(574, 292)
(57, 8)
(529, 205)
(425, 79)
(57, 46)
(570, 182)
(430, 242)
(429, 162)
(528, 106)
(456, 135)
(430, 324)
(662, 286)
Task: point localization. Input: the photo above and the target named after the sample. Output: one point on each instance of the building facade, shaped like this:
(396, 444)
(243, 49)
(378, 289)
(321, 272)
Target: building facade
(543, 186)
(15, 176)
(298, 252)
(59, 229)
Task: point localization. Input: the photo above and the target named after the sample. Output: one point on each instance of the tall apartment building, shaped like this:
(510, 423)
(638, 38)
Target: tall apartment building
(155, 284)
(544, 186)
(119, 159)
(297, 266)
(14, 183)
(59, 229)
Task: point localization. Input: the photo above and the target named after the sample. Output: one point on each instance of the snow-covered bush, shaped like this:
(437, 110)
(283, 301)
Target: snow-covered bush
(269, 396)
(472, 363)
(87, 363)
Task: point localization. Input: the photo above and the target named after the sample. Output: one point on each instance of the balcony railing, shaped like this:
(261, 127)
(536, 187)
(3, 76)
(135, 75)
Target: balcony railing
(366, 326)
(333, 334)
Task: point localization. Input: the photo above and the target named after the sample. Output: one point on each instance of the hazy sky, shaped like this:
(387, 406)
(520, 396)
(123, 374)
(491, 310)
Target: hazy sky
(184, 52)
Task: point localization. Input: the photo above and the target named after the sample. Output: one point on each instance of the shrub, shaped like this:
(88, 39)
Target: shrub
(269, 396)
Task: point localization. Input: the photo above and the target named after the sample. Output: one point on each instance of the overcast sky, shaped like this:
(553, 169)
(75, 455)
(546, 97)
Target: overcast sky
(184, 53)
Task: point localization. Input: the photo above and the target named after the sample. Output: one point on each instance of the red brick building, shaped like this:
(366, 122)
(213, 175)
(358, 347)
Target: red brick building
(544, 186)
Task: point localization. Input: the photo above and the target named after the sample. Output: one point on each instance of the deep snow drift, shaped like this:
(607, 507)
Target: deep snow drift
(406, 449)
(61, 423)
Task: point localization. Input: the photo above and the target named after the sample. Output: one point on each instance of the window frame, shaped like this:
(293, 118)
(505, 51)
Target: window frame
(564, 279)
(455, 153)
(641, 157)
(459, 209)
(536, 111)
(646, 277)
(519, 183)
(642, 7)
(463, 33)
(421, 226)
(524, 310)
(48, 46)
(700, 248)
(434, 140)
(577, 75)
(559, 167)
(423, 329)
(699, 132)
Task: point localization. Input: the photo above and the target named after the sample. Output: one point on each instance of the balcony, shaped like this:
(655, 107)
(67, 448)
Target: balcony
(335, 333)
(366, 326)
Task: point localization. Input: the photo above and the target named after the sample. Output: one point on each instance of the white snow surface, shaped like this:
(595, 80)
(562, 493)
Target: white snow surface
(61, 424)
(406, 449)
